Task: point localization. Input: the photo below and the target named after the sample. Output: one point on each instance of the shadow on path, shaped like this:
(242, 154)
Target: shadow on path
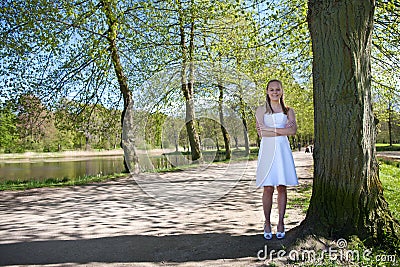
(117, 222)
(135, 248)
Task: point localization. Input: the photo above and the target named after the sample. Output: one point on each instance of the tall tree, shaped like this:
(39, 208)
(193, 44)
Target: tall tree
(347, 194)
(225, 133)
(33, 120)
(230, 52)
(187, 75)
(111, 12)
(386, 62)
(63, 49)
(8, 127)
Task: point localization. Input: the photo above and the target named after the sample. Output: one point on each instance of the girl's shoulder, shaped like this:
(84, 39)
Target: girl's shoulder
(289, 109)
(261, 108)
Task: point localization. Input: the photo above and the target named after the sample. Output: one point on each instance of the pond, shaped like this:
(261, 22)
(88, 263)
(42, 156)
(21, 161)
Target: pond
(60, 168)
(42, 169)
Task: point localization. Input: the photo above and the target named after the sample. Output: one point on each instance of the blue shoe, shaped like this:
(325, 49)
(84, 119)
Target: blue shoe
(267, 235)
(280, 235)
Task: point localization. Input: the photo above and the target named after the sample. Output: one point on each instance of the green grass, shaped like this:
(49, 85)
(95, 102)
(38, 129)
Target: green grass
(355, 254)
(236, 156)
(390, 177)
(389, 173)
(387, 147)
(302, 198)
(56, 182)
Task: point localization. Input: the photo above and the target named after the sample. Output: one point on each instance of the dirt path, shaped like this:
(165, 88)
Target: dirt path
(120, 223)
(393, 155)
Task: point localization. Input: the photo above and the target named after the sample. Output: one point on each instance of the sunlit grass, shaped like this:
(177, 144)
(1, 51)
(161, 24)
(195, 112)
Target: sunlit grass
(387, 147)
(389, 173)
(302, 198)
(364, 256)
(56, 182)
(237, 155)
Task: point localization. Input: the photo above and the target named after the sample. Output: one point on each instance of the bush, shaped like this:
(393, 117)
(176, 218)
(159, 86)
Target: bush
(386, 147)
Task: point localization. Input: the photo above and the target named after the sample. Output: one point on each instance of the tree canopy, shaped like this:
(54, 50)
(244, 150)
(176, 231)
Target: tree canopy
(69, 50)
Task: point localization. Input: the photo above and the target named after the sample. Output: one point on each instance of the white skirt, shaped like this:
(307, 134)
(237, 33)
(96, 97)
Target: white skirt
(275, 163)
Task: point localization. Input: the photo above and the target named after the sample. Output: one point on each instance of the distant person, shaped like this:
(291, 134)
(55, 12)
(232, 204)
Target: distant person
(275, 167)
(299, 146)
(307, 149)
(311, 148)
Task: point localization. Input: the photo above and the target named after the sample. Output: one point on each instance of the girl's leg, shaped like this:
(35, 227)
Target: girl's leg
(282, 200)
(267, 205)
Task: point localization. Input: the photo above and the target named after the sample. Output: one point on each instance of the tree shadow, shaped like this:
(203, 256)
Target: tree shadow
(141, 248)
(118, 222)
(135, 248)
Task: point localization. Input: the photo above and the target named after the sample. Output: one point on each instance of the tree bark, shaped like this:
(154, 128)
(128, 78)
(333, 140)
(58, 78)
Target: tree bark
(131, 161)
(347, 194)
(187, 86)
(390, 123)
(242, 107)
(225, 134)
(245, 128)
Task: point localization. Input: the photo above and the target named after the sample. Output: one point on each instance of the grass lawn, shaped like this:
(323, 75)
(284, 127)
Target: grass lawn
(386, 147)
(56, 182)
(389, 175)
(302, 198)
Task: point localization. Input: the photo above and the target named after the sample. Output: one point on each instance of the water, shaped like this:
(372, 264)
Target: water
(60, 168)
(42, 169)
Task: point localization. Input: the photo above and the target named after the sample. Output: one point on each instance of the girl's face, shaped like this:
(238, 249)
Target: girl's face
(274, 91)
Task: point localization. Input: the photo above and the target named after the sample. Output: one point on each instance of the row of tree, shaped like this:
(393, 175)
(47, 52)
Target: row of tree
(97, 52)
(29, 125)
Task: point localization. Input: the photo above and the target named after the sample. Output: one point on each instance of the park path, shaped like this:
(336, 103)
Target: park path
(393, 155)
(118, 223)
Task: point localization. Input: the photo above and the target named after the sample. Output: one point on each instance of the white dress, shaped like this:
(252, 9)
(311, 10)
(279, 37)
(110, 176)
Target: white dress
(275, 160)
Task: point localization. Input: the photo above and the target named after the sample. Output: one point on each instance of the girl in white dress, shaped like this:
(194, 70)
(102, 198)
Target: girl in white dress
(275, 166)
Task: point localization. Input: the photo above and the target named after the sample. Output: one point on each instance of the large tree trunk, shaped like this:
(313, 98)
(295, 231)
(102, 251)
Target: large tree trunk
(347, 194)
(225, 134)
(187, 85)
(131, 161)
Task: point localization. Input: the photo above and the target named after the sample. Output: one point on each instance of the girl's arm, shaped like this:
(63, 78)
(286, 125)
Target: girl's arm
(262, 130)
(291, 126)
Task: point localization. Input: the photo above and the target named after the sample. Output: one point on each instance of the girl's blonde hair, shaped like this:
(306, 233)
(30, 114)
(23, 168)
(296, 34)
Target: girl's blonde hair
(268, 107)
